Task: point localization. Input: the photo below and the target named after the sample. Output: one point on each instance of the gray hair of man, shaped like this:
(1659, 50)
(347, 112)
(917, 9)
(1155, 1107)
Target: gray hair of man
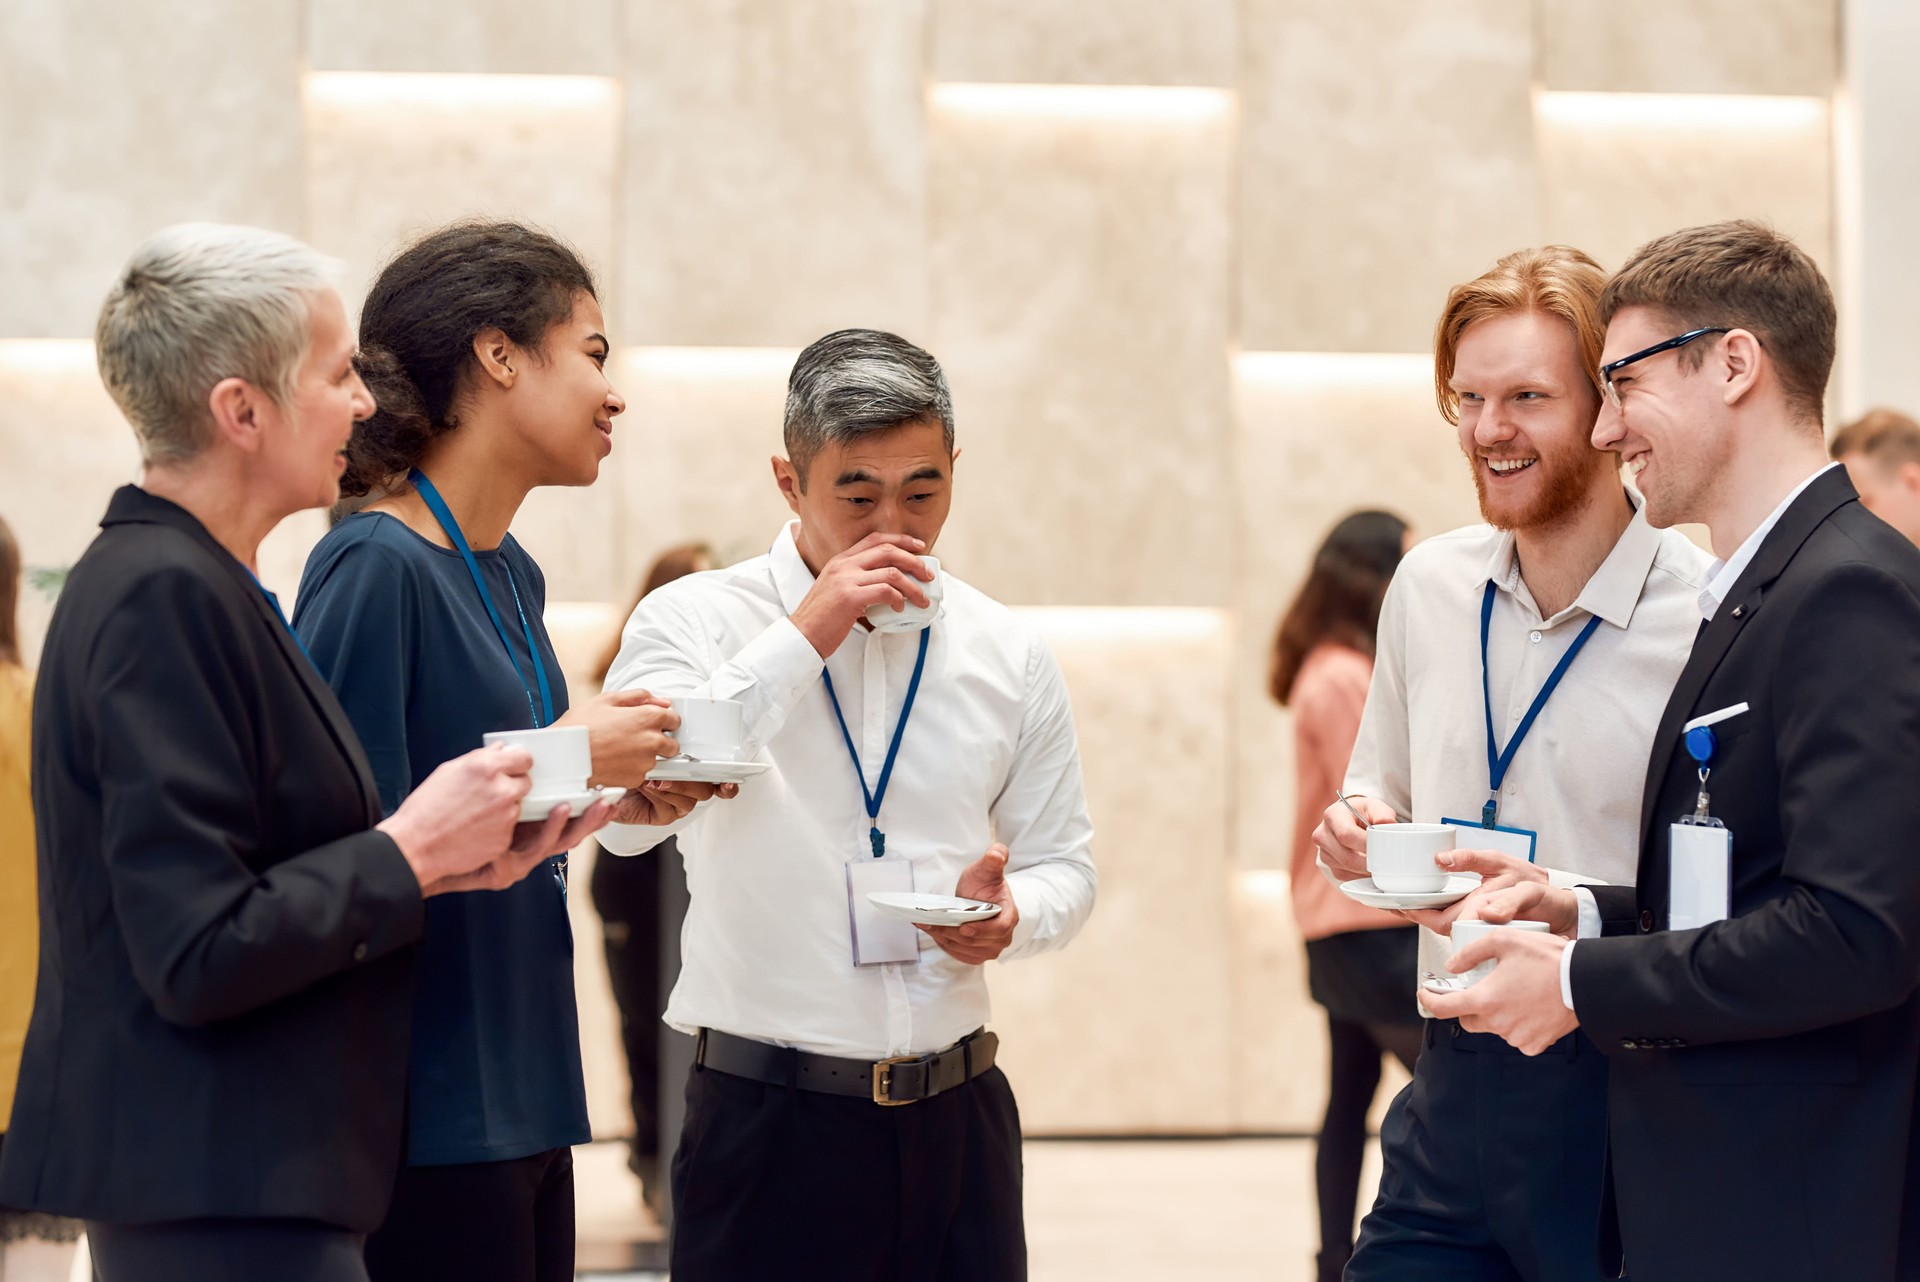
(857, 381)
(198, 303)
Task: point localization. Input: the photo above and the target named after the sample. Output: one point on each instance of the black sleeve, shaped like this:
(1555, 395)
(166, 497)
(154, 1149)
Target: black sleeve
(1619, 908)
(1839, 936)
(209, 938)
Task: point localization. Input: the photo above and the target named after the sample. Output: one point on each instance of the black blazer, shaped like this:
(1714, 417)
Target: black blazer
(1761, 1109)
(221, 1018)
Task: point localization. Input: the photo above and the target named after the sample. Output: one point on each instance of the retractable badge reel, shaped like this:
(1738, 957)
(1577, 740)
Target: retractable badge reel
(1700, 869)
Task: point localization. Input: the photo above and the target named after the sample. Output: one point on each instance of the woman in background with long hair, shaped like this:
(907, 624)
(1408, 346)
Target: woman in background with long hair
(34, 1247)
(1360, 961)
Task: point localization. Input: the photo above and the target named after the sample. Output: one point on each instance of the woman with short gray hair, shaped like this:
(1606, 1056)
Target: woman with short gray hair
(214, 1075)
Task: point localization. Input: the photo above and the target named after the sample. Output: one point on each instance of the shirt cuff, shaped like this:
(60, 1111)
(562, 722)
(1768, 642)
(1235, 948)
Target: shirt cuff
(1589, 926)
(1566, 974)
(779, 659)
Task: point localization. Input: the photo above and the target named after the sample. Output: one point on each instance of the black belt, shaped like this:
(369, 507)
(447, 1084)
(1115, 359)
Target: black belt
(905, 1079)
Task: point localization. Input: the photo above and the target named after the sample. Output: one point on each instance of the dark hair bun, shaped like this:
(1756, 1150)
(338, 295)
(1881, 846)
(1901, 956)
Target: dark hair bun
(386, 445)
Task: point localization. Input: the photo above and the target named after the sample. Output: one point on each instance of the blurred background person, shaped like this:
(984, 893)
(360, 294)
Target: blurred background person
(34, 1247)
(485, 347)
(1881, 450)
(214, 1075)
(628, 895)
(1358, 959)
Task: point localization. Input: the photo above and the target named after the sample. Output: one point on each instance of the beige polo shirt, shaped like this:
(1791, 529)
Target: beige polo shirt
(1578, 777)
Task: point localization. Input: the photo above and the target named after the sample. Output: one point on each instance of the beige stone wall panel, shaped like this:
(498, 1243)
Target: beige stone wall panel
(1116, 42)
(1080, 277)
(559, 37)
(1693, 46)
(1128, 1028)
(1386, 153)
(118, 119)
(1616, 174)
(775, 171)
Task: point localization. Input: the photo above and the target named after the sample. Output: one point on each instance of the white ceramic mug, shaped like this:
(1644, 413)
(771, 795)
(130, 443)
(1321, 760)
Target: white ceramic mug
(910, 617)
(710, 729)
(1472, 928)
(1400, 857)
(562, 757)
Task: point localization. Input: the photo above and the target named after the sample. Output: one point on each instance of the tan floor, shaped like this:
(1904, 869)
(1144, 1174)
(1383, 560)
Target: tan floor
(1109, 1211)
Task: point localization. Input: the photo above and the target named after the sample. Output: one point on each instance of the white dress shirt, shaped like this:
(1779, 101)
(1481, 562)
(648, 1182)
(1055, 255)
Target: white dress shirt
(1576, 778)
(989, 755)
(1720, 578)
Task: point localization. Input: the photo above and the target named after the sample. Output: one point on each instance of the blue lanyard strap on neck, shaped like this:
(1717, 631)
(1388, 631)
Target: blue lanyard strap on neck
(280, 614)
(879, 793)
(542, 716)
(1498, 761)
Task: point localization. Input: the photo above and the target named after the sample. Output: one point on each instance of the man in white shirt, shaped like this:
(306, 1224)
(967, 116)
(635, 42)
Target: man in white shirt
(844, 1118)
(1758, 987)
(1522, 666)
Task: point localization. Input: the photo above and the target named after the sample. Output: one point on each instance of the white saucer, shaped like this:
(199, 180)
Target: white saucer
(534, 808)
(694, 770)
(931, 910)
(1459, 886)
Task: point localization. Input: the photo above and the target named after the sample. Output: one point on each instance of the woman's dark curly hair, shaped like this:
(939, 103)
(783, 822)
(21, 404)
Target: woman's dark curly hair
(418, 326)
(1340, 601)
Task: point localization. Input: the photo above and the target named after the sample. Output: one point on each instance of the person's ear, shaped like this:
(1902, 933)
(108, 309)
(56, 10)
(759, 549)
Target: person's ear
(1740, 358)
(788, 479)
(496, 354)
(238, 408)
(1908, 477)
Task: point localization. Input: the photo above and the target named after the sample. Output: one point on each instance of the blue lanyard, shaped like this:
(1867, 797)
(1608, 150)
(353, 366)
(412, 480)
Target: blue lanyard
(444, 515)
(280, 614)
(879, 794)
(1498, 761)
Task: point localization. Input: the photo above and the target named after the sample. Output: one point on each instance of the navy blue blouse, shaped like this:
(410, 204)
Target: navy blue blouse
(395, 625)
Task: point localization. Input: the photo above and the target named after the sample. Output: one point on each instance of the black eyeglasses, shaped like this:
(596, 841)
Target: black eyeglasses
(1607, 370)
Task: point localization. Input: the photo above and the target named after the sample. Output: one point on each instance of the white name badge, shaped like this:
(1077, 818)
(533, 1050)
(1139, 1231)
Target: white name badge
(1699, 875)
(1521, 843)
(877, 938)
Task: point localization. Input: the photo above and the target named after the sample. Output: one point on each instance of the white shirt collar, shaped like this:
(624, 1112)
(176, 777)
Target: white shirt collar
(1722, 575)
(1614, 589)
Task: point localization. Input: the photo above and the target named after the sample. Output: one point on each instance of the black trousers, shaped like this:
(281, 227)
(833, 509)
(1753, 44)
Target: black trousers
(482, 1222)
(1353, 1077)
(1493, 1163)
(626, 894)
(225, 1250)
(776, 1182)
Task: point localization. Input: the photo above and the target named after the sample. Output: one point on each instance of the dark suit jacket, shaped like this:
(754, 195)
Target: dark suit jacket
(1763, 1068)
(221, 1018)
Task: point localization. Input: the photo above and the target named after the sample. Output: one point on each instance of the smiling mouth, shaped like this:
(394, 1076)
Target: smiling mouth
(1509, 466)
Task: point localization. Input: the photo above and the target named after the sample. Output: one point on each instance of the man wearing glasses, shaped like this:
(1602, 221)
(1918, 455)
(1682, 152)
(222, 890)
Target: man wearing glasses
(1521, 669)
(1756, 991)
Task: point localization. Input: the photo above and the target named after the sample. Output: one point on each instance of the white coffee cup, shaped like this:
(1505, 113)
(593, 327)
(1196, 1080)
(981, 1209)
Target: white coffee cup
(562, 757)
(710, 729)
(910, 617)
(1472, 928)
(1400, 857)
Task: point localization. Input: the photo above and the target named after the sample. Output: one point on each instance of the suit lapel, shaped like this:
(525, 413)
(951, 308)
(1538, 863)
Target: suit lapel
(1820, 500)
(130, 504)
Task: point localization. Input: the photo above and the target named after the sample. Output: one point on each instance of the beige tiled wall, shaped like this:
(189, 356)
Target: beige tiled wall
(1364, 196)
(775, 171)
(1181, 262)
(1102, 42)
(116, 119)
(1080, 262)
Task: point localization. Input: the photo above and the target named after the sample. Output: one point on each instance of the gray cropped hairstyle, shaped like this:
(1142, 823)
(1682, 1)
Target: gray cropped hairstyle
(196, 304)
(857, 381)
